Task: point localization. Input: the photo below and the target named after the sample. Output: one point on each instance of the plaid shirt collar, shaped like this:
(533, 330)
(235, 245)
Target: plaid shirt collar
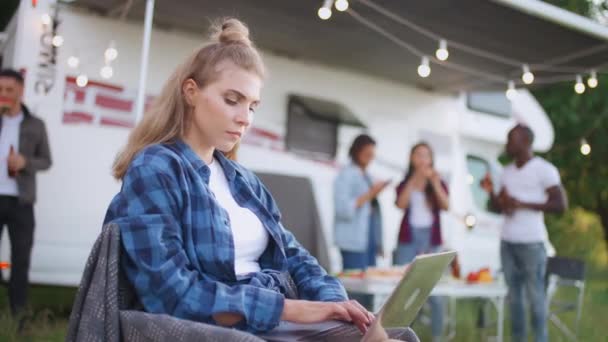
(199, 165)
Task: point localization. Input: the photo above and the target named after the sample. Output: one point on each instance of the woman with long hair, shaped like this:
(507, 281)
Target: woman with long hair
(422, 195)
(357, 218)
(202, 237)
(358, 224)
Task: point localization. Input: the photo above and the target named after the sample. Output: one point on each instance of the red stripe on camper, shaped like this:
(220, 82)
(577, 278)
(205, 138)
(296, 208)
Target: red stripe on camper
(80, 94)
(114, 103)
(77, 117)
(265, 134)
(116, 123)
(72, 79)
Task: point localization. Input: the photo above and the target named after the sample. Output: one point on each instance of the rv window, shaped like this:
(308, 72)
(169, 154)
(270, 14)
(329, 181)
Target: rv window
(310, 132)
(477, 168)
(490, 102)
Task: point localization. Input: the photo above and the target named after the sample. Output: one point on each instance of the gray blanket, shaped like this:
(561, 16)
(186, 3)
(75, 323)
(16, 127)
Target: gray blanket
(106, 309)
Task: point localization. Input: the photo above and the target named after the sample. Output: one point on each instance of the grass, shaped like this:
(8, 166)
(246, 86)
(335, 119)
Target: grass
(50, 307)
(49, 314)
(593, 325)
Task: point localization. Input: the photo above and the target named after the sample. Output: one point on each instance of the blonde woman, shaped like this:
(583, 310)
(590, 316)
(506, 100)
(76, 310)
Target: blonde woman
(202, 237)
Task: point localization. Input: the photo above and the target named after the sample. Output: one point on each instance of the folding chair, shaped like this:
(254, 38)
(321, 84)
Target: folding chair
(565, 272)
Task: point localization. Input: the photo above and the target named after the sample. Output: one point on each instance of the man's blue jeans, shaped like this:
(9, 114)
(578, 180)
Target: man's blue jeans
(524, 266)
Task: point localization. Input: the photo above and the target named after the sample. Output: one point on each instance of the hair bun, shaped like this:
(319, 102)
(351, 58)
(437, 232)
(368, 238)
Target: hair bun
(231, 31)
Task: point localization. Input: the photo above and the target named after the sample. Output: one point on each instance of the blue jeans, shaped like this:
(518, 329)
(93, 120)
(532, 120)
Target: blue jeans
(421, 243)
(361, 260)
(524, 266)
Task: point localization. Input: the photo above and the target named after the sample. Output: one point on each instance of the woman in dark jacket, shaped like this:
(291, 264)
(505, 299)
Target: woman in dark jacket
(422, 195)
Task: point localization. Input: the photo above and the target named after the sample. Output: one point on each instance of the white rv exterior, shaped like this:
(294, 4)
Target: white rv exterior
(73, 195)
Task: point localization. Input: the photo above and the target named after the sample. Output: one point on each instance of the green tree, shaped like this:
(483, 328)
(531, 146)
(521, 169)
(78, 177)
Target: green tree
(582, 7)
(576, 117)
(576, 234)
(596, 9)
(7, 9)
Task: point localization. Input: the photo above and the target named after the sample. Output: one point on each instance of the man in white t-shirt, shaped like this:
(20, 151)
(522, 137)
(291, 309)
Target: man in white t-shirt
(530, 186)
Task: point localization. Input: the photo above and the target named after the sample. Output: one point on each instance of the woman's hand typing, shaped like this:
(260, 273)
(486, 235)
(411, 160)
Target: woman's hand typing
(303, 311)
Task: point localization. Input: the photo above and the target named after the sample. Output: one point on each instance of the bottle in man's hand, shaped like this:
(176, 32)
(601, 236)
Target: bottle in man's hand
(486, 183)
(11, 173)
(5, 105)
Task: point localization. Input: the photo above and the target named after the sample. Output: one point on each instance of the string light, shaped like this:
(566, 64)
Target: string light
(592, 80)
(325, 10)
(424, 69)
(470, 221)
(82, 80)
(46, 19)
(511, 91)
(585, 147)
(57, 41)
(106, 72)
(579, 87)
(442, 52)
(111, 53)
(341, 5)
(73, 62)
(527, 76)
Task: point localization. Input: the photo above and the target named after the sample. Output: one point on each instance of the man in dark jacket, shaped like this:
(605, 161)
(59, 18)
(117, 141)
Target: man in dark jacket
(24, 150)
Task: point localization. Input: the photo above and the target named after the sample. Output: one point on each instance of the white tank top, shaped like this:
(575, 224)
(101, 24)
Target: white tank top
(421, 215)
(249, 235)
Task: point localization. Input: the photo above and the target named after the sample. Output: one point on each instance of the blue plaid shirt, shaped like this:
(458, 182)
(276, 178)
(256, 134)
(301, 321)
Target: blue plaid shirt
(179, 251)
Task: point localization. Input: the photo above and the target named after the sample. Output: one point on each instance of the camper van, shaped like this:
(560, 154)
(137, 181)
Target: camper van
(309, 114)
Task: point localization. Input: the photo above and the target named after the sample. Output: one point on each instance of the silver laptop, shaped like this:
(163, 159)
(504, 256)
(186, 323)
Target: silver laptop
(403, 305)
(397, 312)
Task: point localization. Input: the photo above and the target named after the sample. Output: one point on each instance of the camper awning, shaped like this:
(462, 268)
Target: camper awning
(555, 43)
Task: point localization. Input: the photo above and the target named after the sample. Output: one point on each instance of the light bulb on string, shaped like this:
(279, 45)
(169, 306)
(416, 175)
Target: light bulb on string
(579, 87)
(511, 91)
(592, 80)
(46, 19)
(73, 62)
(470, 221)
(442, 52)
(585, 147)
(82, 80)
(111, 53)
(341, 5)
(57, 41)
(424, 69)
(106, 72)
(470, 179)
(527, 76)
(325, 11)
